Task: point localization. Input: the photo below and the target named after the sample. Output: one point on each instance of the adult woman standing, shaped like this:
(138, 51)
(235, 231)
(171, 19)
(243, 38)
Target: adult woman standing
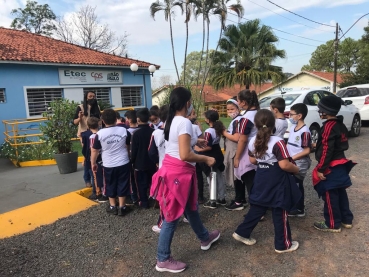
(89, 108)
(175, 185)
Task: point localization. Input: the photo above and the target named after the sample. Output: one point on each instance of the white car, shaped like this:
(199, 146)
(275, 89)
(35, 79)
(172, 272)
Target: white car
(350, 113)
(359, 95)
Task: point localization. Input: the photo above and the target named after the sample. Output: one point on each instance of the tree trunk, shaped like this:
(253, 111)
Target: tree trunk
(207, 55)
(171, 39)
(202, 50)
(185, 56)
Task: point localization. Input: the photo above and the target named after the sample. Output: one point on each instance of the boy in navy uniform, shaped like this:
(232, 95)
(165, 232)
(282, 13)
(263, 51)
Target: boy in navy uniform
(143, 166)
(331, 175)
(114, 143)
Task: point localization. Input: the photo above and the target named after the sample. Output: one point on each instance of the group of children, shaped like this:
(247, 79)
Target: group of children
(257, 160)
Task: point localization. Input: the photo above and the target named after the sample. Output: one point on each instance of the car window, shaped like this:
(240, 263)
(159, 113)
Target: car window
(352, 92)
(288, 98)
(324, 93)
(364, 91)
(312, 98)
(341, 92)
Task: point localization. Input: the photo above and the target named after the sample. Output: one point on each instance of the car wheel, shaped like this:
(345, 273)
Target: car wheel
(356, 126)
(314, 130)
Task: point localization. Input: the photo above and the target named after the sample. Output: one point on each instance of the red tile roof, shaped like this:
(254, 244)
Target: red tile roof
(22, 46)
(327, 75)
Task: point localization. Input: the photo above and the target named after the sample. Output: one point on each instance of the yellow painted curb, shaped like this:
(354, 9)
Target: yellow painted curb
(40, 162)
(28, 218)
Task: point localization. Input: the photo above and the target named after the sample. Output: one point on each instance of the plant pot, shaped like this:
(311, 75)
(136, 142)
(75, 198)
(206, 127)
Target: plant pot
(67, 163)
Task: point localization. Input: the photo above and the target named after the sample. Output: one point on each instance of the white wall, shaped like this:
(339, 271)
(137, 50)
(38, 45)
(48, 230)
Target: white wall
(75, 94)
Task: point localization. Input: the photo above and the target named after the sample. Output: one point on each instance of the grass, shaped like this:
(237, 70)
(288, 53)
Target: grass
(226, 121)
(77, 147)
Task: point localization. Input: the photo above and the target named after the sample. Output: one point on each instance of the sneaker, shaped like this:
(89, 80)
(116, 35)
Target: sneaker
(321, 226)
(244, 203)
(185, 220)
(347, 226)
(93, 197)
(111, 210)
(170, 265)
(156, 229)
(222, 202)
(213, 237)
(234, 206)
(293, 247)
(102, 198)
(298, 213)
(247, 241)
(210, 205)
(122, 211)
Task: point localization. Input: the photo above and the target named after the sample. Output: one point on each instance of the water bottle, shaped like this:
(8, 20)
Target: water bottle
(213, 186)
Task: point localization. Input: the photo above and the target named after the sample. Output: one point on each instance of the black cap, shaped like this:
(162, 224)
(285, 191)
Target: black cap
(330, 105)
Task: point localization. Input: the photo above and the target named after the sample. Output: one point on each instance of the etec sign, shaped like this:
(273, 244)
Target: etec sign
(89, 76)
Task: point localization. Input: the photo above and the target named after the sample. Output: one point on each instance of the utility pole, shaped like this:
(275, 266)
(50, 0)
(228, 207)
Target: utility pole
(335, 60)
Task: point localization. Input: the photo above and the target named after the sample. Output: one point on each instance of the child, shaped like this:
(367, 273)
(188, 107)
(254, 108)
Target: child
(244, 170)
(88, 142)
(277, 106)
(274, 187)
(212, 137)
(114, 143)
(87, 171)
(331, 175)
(298, 145)
(121, 122)
(154, 118)
(200, 179)
(142, 164)
(231, 139)
(131, 119)
(157, 152)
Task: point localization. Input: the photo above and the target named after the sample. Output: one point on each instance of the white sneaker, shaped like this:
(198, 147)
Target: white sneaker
(185, 220)
(156, 229)
(247, 241)
(293, 247)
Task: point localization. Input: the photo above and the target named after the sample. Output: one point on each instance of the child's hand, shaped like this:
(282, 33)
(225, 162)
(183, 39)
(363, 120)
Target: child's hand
(210, 161)
(321, 176)
(236, 162)
(94, 167)
(201, 143)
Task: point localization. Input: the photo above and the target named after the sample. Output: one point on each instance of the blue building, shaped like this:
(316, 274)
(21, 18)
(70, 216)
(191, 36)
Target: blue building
(35, 70)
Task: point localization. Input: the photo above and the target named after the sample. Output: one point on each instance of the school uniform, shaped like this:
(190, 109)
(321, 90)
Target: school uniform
(133, 187)
(87, 171)
(332, 162)
(157, 125)
(297, 141)
(157, 147)
(246, 170)
(213, 140)
(273, 188)
(281, 126)
(99, 174)
(113, 142)
(200, 179)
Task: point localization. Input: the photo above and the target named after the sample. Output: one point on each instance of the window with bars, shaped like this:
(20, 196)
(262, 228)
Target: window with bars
(2, 96)
(39, 99)
(102, 94)
(131, 96)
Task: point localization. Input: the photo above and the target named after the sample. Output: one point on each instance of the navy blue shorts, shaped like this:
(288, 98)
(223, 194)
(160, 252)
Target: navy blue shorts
(117, 181)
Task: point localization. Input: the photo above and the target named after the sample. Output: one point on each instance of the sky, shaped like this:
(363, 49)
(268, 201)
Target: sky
(149, 39)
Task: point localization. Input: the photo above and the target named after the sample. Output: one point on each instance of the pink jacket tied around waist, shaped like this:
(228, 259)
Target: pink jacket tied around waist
(174, 185)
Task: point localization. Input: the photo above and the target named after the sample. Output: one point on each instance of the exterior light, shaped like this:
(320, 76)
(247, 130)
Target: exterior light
(134, 67)
(152, 68)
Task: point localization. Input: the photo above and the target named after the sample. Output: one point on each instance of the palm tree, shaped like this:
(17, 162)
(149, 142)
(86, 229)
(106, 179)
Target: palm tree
(246, 53)
(187, 7)
(167, 7)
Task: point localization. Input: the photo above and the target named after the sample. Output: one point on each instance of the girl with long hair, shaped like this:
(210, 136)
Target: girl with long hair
(174, 184)
(244, 170)
(274, 186)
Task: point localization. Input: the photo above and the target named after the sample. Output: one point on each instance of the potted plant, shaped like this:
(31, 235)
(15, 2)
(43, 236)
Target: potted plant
(59, 130)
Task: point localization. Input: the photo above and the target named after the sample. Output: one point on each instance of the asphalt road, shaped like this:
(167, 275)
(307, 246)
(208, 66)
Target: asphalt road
(93, 243)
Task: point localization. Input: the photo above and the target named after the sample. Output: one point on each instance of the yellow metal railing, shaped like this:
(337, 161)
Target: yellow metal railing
(16, 130)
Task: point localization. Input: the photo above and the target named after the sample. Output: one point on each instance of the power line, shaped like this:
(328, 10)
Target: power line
(297, 35)
(299, 15)
(353, 25)
(289, 18)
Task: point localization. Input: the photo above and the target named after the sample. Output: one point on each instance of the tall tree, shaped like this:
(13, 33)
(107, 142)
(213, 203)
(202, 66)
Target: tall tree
(167, 6)
(190, 72)
(247, 51)
(322, 59)
(84, 28)
(34, 18)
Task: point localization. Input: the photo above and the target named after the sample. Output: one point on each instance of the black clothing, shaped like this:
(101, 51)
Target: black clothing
(97, 114)
(140, 148)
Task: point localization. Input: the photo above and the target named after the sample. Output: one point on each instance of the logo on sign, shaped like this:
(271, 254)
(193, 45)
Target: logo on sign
(96, 76)
(114, 76)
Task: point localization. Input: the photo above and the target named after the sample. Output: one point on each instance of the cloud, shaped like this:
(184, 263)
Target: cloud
(337, 3)
(6, 7)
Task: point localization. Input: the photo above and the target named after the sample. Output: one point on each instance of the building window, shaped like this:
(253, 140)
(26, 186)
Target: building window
(2, 96)
(131, 96)
(102, 94)
(39, 99)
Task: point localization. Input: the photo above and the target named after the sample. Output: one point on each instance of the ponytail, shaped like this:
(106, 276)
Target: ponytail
(219, 128)
(264, 122)
(168, 123)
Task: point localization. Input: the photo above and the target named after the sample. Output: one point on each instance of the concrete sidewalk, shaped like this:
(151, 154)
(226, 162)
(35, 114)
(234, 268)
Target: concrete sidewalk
(25, 186)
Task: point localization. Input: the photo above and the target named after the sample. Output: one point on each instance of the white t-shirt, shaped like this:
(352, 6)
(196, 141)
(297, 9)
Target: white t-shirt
(211, 137)
(113, 143)
(196, 130)
(281, 126)
(298, 140)
(158, 136)
(180, 126)
(277, 150)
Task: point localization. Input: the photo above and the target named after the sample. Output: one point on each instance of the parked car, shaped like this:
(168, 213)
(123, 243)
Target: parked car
(359, 95)
(350, 113)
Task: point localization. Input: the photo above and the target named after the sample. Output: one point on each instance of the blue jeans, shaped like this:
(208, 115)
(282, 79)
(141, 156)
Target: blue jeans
(168, 228)
(88, 177)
